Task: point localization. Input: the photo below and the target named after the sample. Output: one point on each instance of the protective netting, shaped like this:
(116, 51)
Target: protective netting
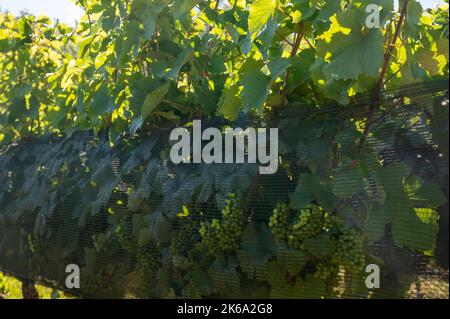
(132, 220)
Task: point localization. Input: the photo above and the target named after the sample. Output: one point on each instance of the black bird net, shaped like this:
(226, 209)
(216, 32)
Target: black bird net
(350, 211)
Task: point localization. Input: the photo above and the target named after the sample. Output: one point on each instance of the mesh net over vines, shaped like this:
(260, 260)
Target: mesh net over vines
(138, 225)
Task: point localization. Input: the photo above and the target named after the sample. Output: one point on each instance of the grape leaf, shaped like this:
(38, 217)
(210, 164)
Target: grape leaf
(153, 99)
(255, 91)
(260, 13)
(183, 7)
(353, 53)
(349, 180)
(408, 229)
(230, 103)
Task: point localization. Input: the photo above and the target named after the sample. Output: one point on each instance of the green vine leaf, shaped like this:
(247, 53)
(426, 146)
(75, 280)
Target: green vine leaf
(230, 103)
(348, 40)
(255, 90)
(153, 99)
(260, 13)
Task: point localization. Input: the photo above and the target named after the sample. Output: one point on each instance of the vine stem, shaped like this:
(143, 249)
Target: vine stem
(309, 43)
(294, 51)
(387, 56)
(179, 106)
(284, 39)
(252, 192)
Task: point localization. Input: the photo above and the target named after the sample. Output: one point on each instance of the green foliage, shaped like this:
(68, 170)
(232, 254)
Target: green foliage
(260, 13)
(127, 65)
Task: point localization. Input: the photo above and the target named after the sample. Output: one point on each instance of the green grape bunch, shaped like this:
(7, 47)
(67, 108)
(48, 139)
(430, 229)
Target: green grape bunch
(185, 239)
(326, 270)
(148, 262)
(349, 250)
(310, 221)
(224, 235)
(278, 222)
(209, 235)
(124, 233)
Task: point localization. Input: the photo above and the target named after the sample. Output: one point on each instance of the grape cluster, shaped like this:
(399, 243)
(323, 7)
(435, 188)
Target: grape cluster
(209, 236)
(278, 222)
(184, 239)
(149, 261)
(124, 233)
(349, 248)
(310, 222)
(348, 251)
(224, 234)
(326, 270)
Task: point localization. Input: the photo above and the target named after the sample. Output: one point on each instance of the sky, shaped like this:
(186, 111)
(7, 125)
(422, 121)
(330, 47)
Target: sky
(66, 11)
(425, 3)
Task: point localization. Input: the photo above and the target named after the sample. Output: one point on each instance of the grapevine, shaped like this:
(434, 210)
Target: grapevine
(86, 113)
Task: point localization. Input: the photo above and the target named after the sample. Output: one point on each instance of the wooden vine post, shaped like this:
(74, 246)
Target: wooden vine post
(29, 290)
